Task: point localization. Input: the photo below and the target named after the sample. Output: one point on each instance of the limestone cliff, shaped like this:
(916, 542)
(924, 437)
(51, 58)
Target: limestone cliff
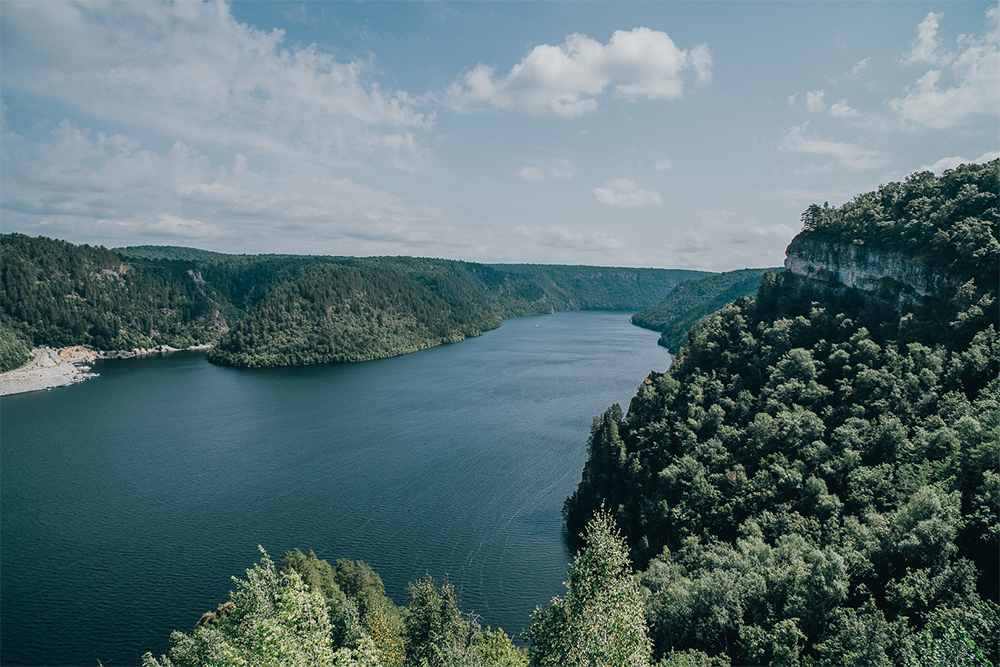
(836, 266)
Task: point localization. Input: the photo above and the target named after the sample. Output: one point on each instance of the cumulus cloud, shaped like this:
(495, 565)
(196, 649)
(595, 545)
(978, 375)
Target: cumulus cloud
(814, 101)
(191, 71)
(107, 189)
(799, 139)
(965, 84)
(566, 79)
(560, 170)
(625, 193)
(925, 47)
(952, 162)
(664, 165)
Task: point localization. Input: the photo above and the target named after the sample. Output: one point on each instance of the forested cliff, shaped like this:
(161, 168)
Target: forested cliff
(274, 310)
(693, 300)
(815, 480)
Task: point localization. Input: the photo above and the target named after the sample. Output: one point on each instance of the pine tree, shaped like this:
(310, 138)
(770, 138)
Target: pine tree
(601, 621)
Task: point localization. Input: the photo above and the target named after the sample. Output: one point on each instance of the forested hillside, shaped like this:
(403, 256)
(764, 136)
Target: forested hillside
(689, 302)
(815, 480)
(278, 310)
(56, 293)
(542, 288)
(355, 310)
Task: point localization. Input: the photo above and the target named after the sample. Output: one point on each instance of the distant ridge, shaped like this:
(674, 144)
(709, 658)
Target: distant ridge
(693, 300)
(284, 310)
(169, 252)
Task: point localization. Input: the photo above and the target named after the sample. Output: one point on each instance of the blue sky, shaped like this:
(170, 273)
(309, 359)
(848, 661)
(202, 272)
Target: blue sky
(666, 134)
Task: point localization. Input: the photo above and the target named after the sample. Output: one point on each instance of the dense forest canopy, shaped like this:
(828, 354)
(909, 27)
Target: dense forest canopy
(56, 293)
(693, 300)
(312, 613)
(948, 225)
(279, 310)
(815, 480)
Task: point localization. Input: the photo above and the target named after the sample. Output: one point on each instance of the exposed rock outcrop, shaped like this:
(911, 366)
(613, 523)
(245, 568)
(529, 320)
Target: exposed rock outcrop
(860, 268)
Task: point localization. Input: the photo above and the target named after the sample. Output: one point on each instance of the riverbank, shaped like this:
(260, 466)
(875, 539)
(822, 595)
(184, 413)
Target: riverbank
(59, 368)
(48, 369)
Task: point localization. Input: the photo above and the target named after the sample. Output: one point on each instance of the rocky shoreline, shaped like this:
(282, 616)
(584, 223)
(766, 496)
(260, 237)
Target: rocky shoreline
(145, 352)
(59, 368)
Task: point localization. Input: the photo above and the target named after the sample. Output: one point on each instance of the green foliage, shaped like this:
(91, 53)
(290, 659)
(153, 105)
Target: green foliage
(59, 294)
(534, 289)
(816, 475)
(958, 637)
(493, 648)
(284, 310)
(14, 350)
(600, 622)
(312, 613)
(947, 224)
(275, 620)
(361, 615)
(691, 301)
(436, 633)
(693, 658)
(168, 252)
(354, 312)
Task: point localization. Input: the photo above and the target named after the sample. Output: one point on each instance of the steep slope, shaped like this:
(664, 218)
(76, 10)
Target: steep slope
(57, 293)
(690, 301)
(816, 475)
(546, 288)
(353, 312)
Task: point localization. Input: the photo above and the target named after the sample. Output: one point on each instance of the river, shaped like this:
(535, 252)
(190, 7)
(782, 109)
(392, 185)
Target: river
(127, 502)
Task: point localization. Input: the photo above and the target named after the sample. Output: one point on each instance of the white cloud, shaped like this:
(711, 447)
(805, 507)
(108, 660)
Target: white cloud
(106, 189)
(664, 165)
(860, 67)
(814, 101)
(842, 109)
(560, 170)
(952, 162)
(771, 232)
(566, 79)
(798, 139)
(562, 238)
(191, 71)
(966, 85)
(695, 243)
(625, 193)
(926, 48)
(531, 174)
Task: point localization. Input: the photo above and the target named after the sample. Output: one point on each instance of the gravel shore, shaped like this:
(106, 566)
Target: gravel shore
(58, 368)
(50, 368)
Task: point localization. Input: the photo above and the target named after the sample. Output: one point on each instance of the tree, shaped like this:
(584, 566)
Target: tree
(275, 620)
(601, 621)
(436, 633)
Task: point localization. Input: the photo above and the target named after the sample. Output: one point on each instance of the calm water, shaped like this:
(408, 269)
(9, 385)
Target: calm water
(128, 502)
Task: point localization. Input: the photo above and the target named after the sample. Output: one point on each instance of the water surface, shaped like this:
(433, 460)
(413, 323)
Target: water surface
(127, 502)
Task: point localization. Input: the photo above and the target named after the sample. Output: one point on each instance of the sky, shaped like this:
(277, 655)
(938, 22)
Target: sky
(655, 134)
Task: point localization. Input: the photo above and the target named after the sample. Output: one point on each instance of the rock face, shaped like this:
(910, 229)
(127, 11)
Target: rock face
(837, 266)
